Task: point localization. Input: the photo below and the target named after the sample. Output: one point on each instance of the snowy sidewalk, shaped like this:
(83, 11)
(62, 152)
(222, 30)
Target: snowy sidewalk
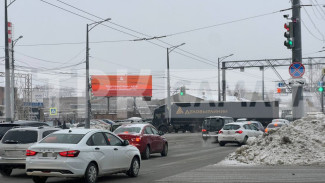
(251, 174)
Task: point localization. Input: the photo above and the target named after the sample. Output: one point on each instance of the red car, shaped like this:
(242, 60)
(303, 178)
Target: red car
(145, 137)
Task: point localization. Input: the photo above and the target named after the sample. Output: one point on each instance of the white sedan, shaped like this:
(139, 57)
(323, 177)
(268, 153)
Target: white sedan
(237, 132)
(86, 153)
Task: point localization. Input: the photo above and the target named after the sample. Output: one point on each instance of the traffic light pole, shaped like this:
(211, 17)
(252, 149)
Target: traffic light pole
(297, 90)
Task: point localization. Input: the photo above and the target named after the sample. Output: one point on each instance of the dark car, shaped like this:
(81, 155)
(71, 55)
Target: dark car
(4, 127)
(145, 137)
(211, 126)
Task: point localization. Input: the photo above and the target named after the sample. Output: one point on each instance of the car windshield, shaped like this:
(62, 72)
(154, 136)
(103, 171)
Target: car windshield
(231, 127)
(20, 137)
(127, 129)
(63, 138)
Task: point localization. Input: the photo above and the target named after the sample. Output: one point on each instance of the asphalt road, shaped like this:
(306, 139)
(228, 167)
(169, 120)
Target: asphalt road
(187, 152)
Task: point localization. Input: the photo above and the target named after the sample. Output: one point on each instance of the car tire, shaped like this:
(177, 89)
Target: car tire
(38, 179)
(5, 171)
(244, 141)
(176, 130)
(146, 154)
(222, 143)
(91, 173)
(134, 168)
(165, 150)
(183, 131)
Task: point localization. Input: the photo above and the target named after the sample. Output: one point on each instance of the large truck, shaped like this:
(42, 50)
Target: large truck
(189, 116)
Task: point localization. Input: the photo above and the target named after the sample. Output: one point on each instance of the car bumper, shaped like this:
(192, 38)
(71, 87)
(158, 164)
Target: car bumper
(231, 138)
(208, 136)
(12, 162)
(71, 167)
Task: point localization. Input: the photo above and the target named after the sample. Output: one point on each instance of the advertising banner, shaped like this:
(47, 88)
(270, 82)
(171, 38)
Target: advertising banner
(121, 85)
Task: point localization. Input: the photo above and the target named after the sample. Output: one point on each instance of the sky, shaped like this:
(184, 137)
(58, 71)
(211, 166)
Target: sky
(53, 43)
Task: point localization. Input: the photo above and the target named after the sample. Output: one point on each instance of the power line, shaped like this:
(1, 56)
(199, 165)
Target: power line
(314, 24)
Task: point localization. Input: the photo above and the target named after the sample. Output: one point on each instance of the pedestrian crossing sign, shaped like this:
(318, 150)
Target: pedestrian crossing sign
(53, 111)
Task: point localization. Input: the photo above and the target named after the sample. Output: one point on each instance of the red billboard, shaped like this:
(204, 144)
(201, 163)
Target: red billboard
(121, 85)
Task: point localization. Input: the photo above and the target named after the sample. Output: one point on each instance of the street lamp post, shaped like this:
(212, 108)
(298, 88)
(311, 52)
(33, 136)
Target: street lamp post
(220, 59)
(168, 81)
(12, 96)
(88, 105)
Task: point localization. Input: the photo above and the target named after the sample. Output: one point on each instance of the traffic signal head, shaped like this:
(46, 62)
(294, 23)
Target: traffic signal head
(182, 92)
(278, 90)
(289, 43)
(321, 89)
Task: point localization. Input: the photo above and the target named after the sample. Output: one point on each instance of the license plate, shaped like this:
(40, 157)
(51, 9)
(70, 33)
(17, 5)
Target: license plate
(48, 154)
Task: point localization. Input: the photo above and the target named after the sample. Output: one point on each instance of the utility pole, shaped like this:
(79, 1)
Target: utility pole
(168, 82)
(262, 69)
(297, 90)
(13, 77)
(7, 68)
(88, 105)
(220, 59)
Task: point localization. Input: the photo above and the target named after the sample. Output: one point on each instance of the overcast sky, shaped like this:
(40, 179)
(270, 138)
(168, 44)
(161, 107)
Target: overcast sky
(113, 51)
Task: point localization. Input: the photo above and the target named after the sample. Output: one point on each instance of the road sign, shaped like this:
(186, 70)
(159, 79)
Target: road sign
(296, 70)
(280, 84)
(297, 82)
(320, 83)
(53, 111)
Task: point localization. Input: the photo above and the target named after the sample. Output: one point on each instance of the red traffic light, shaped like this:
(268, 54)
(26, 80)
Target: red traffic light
(278, 90)
(287, 26)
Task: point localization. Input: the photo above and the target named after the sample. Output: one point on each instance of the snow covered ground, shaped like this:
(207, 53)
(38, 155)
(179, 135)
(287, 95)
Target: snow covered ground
(300, 143)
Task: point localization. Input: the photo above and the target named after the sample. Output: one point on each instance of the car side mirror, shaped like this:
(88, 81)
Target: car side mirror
(160, 133)
(126, 143)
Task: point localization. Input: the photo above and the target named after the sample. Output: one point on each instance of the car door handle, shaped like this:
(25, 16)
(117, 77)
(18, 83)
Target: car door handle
(115, 149)
(97, 148)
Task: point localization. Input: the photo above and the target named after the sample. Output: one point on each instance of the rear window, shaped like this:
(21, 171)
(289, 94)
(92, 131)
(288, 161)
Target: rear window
(125, 129)
(213, 124)
(231, 127)
(275, 125)
(20, 137)
(63, 138)
(4, 129)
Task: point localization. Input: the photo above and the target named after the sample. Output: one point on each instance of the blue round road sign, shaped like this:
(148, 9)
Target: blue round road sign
(297, 70)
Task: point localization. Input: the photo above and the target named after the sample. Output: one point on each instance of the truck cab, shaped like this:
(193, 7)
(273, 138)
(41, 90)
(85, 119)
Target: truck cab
(211, 126)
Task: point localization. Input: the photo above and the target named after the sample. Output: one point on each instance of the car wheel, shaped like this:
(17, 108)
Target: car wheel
(5, 171)
(146, 154)
(244, 141)
(39, 179)
(176, 130)
(222, 143)
(165, 150)
(183, 131)
(91, 173)
(134, 168)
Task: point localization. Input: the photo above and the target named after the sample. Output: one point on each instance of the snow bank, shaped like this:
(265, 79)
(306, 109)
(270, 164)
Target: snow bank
(300, 143)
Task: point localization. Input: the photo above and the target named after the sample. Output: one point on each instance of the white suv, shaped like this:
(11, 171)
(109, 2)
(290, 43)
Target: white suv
(237, 132)
(14, 144)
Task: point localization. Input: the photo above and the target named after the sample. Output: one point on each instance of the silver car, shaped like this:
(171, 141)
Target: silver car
(14, 144)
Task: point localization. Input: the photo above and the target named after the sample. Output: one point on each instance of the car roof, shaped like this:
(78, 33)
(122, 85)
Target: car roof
(23, 123)
(141, 125)
(36, 128)
(238, 123)
(79, 131)
(218, 117)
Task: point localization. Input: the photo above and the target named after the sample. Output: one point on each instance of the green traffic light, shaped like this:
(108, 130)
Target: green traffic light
(320, 89)
(290, 42)
(181, 93)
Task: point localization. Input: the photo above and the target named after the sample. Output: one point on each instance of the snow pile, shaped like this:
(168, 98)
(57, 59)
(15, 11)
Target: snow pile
(300, 143)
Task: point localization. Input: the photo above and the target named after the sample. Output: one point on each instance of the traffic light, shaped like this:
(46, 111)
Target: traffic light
(289, 43)
(182, 92)
(278, 90)
(320, 89)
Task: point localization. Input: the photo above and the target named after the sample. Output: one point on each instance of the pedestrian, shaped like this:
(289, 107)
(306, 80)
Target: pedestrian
(64, 126)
